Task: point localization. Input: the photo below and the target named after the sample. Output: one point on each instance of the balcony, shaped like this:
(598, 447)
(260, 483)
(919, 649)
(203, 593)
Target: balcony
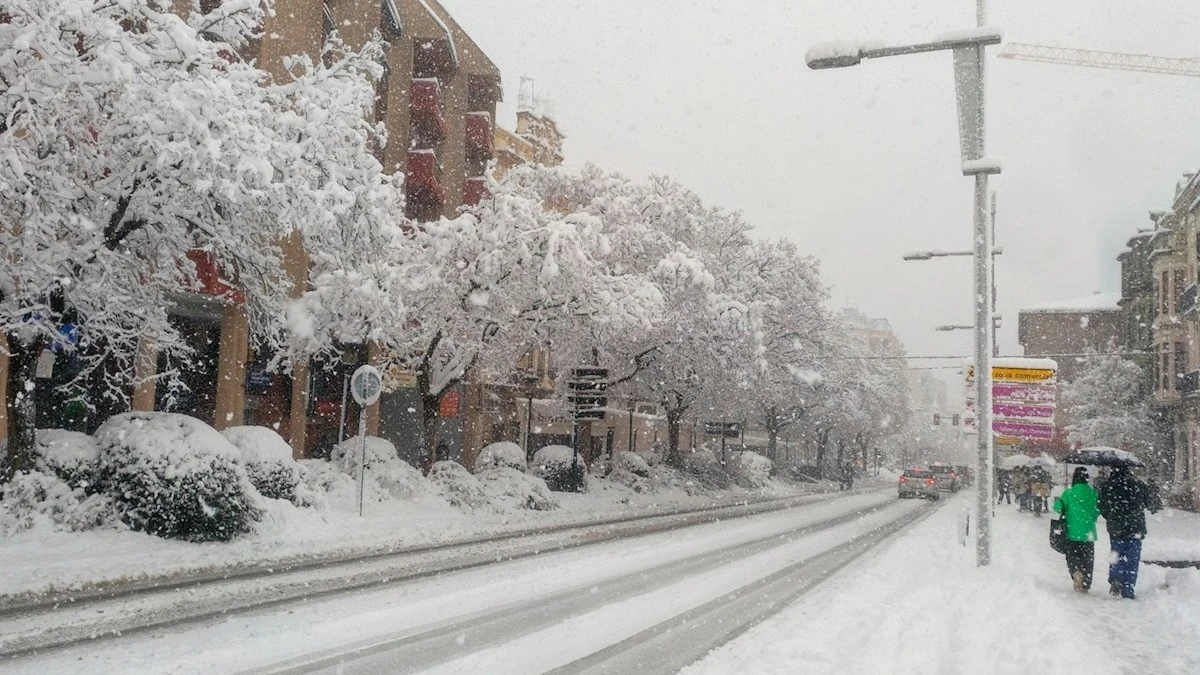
(475, 190)
(1189, 384)
(1187, 300)
(425, 110)
(479, 141)
(208, 277)
(421, 180)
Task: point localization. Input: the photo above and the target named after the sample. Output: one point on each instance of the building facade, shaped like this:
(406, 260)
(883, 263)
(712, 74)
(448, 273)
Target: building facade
(437, 100)
(1065, 330)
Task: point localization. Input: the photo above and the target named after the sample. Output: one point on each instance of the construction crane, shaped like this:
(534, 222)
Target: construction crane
(1091, 58)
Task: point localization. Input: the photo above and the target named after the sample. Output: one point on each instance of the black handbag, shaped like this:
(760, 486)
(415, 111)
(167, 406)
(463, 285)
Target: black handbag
(1058, 531)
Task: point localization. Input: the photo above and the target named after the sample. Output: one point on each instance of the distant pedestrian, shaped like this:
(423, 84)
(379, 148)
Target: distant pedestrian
(1077, 505)
(1003, 487)
(1039, 489)
(1124, 501)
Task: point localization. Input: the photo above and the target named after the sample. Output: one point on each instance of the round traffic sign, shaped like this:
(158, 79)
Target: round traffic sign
(365, 385)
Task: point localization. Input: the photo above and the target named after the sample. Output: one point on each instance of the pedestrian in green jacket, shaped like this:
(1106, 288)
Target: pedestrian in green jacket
(1078, 505)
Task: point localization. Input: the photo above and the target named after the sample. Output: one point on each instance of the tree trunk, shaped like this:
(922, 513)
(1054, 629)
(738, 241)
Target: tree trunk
(22, 406)
(674, 422)
(430, 405)
(771, 422)
(822, 450)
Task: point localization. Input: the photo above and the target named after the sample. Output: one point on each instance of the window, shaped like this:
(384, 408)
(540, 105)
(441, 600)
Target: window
(1180, 282)
(1163, 291)
(389, 19)
(1180, 362)
(1164, 368)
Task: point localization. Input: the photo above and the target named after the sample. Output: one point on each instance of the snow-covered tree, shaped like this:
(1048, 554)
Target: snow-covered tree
(482, 287)
(1106, 406)
(132, 137)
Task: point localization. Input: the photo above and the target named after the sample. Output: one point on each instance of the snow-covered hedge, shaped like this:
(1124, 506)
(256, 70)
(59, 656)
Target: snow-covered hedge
(632, 471)
(174, 476)
(37, 499)
(70, 455)
(705, 469)
(632, 463)
(510, 489)
(387, 476)
(458, 486)
(751, 470)
(553, 464)
(268, 461)
(504, 453)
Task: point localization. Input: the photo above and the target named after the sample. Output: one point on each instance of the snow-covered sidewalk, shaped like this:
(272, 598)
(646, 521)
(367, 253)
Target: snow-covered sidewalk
(920, 605)
(45, 561)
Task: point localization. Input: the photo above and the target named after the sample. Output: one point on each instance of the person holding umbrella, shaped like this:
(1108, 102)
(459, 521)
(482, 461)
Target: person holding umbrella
(1124, 501)
(1077, 505)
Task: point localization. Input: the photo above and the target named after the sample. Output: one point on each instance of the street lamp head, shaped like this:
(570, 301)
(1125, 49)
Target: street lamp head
(919, 255)
(834, 54)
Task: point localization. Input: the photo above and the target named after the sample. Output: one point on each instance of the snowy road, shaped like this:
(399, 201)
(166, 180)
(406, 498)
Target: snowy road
(648, 604)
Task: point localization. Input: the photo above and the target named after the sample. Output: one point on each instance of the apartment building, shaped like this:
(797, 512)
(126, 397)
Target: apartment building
(1176, 326)
(437, 101)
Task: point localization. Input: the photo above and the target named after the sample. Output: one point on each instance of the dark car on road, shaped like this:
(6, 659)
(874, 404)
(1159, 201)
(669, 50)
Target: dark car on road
(918, 483)
(947, 477)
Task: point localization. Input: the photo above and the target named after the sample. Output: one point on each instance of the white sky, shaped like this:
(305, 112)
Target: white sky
(861, 165)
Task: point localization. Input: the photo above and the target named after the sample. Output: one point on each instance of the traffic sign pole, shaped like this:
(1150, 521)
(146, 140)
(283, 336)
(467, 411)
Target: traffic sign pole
(365, 386)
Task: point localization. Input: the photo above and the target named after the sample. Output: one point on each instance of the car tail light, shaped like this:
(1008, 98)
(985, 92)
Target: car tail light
(931, 482)
(953, 475)
(903, 479)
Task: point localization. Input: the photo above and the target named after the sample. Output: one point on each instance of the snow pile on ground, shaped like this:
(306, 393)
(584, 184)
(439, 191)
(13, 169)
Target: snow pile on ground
(920, 604)
(461, 489)
(510, 490)
(501, 454)
(703, 470)
(553, 464)
(174, 476)
(70, 455)
(751, 470)
(268, 461)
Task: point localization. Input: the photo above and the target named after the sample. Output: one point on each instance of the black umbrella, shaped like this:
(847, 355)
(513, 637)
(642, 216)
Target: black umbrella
(1103, 456)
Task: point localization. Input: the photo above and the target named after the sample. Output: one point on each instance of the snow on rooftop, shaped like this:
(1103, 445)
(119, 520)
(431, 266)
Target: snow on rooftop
(1096, 302)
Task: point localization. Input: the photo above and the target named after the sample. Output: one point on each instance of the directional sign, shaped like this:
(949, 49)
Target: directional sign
(1015, 374)
(726, 429)
(587, 394)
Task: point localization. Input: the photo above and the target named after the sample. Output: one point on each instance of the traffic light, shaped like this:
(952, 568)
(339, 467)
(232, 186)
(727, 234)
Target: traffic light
(954, 420)
(937, 419)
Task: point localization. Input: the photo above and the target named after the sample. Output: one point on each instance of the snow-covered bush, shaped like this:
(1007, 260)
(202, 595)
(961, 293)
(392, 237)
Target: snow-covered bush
(70, 455)
(553, 464)
(458, 486)
(37, 499)
(321, 476)
(632, 463)
(174, 476)
(503, 453)
(653, 457)
(378, 451)
(387, 476)
(751, 470)
(268, 461)
(705, 469)
(510, 489)
(630, 470)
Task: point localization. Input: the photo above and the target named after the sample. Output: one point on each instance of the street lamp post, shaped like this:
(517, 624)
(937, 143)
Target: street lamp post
(968, 51)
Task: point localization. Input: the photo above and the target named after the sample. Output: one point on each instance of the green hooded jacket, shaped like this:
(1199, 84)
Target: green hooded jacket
(1081, 511)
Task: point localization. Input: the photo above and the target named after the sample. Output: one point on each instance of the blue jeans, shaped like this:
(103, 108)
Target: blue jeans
(1123, 572)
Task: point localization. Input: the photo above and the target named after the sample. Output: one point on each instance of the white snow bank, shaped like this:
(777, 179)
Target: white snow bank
(70, 455)
(751, 470)
(461, 489)
(504, 453)
(43, 501)
(259, 444)
(511, 490)
(1096, 302)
